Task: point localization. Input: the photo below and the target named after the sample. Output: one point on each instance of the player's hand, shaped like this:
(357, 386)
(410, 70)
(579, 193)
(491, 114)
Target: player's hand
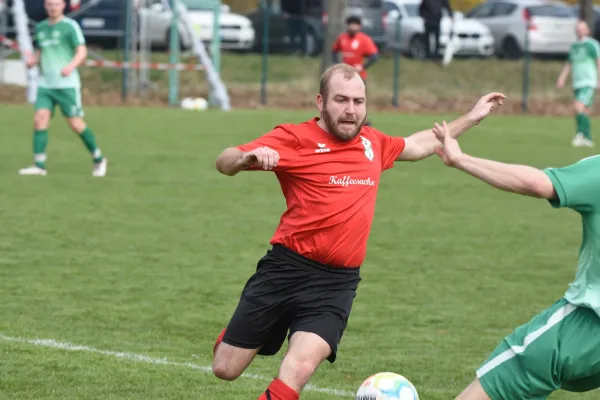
(263, 157)
(66, 71)
(30, 60)
(449, 151)
(486, 105)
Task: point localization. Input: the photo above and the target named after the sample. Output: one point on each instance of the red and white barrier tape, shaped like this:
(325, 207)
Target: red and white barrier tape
(138, 65)
(120, 65)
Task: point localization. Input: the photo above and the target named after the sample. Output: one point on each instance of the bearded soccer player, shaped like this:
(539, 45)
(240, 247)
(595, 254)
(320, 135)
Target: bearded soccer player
(60, 49)
(560, 347)
(329, 170)
(583, 64)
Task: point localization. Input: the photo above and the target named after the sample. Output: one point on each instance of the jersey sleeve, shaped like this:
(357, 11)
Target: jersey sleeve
(391, 148)
(594, 49)
(337, 45)
(577, 185)
(76, 37)
(370, 47)
(280, 139)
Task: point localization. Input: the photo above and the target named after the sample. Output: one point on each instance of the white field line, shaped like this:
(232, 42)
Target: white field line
(141, 358)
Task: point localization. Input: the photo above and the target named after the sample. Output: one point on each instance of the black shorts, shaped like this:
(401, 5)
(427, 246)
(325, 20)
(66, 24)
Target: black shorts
(291, 293)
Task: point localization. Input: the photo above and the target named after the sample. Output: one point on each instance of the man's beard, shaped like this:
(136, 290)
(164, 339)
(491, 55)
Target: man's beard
(333, 126)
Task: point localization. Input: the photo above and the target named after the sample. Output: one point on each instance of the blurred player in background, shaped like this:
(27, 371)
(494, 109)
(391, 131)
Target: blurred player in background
(583, 64)
(329, 170)
(431, 11)
(355, 46)
(60, 49)
(560, 347)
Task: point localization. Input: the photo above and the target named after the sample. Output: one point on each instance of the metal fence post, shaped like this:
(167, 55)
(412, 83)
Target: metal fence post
(526, 66)
(397, 52)
(266, 12)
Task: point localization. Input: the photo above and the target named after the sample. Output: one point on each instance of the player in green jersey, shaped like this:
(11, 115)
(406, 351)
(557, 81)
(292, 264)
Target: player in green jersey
(560, 347)
(60, 49)
(583, 64)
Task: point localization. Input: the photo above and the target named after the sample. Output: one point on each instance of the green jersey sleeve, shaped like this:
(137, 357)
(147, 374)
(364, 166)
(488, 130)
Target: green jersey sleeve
(593, 48)
(577, 185)
(76, 37)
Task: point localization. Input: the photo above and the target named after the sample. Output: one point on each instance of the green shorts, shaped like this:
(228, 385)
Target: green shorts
(558, 349)
(585, 95)
(69, 101)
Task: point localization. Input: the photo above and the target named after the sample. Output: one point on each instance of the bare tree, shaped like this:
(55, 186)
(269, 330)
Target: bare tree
(335, 26)
(586, 12)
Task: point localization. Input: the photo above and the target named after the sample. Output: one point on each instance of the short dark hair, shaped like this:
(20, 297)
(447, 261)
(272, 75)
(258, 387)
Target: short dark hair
(348, 71)
(353, 19)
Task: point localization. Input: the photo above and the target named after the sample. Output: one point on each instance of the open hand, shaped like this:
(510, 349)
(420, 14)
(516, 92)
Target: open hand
(449, 151)
(486, 105)
(262, 157)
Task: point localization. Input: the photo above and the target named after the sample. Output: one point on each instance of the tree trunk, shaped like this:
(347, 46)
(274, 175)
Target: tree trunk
(335, 26)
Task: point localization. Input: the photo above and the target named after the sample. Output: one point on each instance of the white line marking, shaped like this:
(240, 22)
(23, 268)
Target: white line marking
(141, 358)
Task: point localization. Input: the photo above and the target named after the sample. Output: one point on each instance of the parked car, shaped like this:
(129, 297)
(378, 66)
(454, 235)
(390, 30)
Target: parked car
(313, 21)
(236, 30)
(550, 26)
(474, 37)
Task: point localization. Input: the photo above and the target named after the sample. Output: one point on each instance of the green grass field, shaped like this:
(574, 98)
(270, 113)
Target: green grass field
(117, 288)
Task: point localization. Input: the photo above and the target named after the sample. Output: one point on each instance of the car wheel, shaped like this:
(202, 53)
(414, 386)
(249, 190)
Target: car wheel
(417, 47)
(511, 49)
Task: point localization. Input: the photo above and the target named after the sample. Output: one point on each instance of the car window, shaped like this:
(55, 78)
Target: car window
(365, 3)
(551, 11)
(412, 10)
(482, 11)
(387, 7)
(503, 9)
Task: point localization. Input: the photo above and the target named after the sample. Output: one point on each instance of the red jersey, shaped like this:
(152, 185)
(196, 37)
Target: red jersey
(355, 49)
(330, 188)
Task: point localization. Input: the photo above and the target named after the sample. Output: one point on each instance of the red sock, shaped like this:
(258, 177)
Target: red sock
(219, 340)
(278, 390)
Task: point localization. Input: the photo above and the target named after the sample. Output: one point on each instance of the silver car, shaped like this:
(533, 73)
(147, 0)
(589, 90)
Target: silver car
(549, 26)
(474, 38)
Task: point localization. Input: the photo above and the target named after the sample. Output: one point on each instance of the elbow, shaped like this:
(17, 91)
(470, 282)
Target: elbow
(222, 167)
(541, 188)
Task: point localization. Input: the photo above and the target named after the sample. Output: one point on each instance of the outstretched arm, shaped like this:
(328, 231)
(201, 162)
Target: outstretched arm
(233, 160)
(520, 179)
(422, 144)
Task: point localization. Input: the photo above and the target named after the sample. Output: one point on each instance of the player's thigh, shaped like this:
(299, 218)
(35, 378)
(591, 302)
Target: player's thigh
(43, 108)
(261, 318)
(524, 364)
(326, 317)
(69, 102)
(580, 351)
(584, 99)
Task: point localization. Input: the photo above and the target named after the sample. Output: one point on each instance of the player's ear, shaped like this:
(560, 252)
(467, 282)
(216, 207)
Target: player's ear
(320, 102)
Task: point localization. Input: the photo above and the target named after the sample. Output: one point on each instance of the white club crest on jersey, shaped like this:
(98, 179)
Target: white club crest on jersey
(368, 149)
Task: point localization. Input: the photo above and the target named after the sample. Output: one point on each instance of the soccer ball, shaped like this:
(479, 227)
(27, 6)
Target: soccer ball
(387, 386)
(197, 104)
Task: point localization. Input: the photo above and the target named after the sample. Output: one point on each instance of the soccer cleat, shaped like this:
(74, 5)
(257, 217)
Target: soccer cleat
(576, 142)
(33, 170)
(100, 168)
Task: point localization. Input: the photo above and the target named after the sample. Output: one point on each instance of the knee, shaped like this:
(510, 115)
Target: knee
(225, 370)
(77, 125)
(40, 121)
(301, 369)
